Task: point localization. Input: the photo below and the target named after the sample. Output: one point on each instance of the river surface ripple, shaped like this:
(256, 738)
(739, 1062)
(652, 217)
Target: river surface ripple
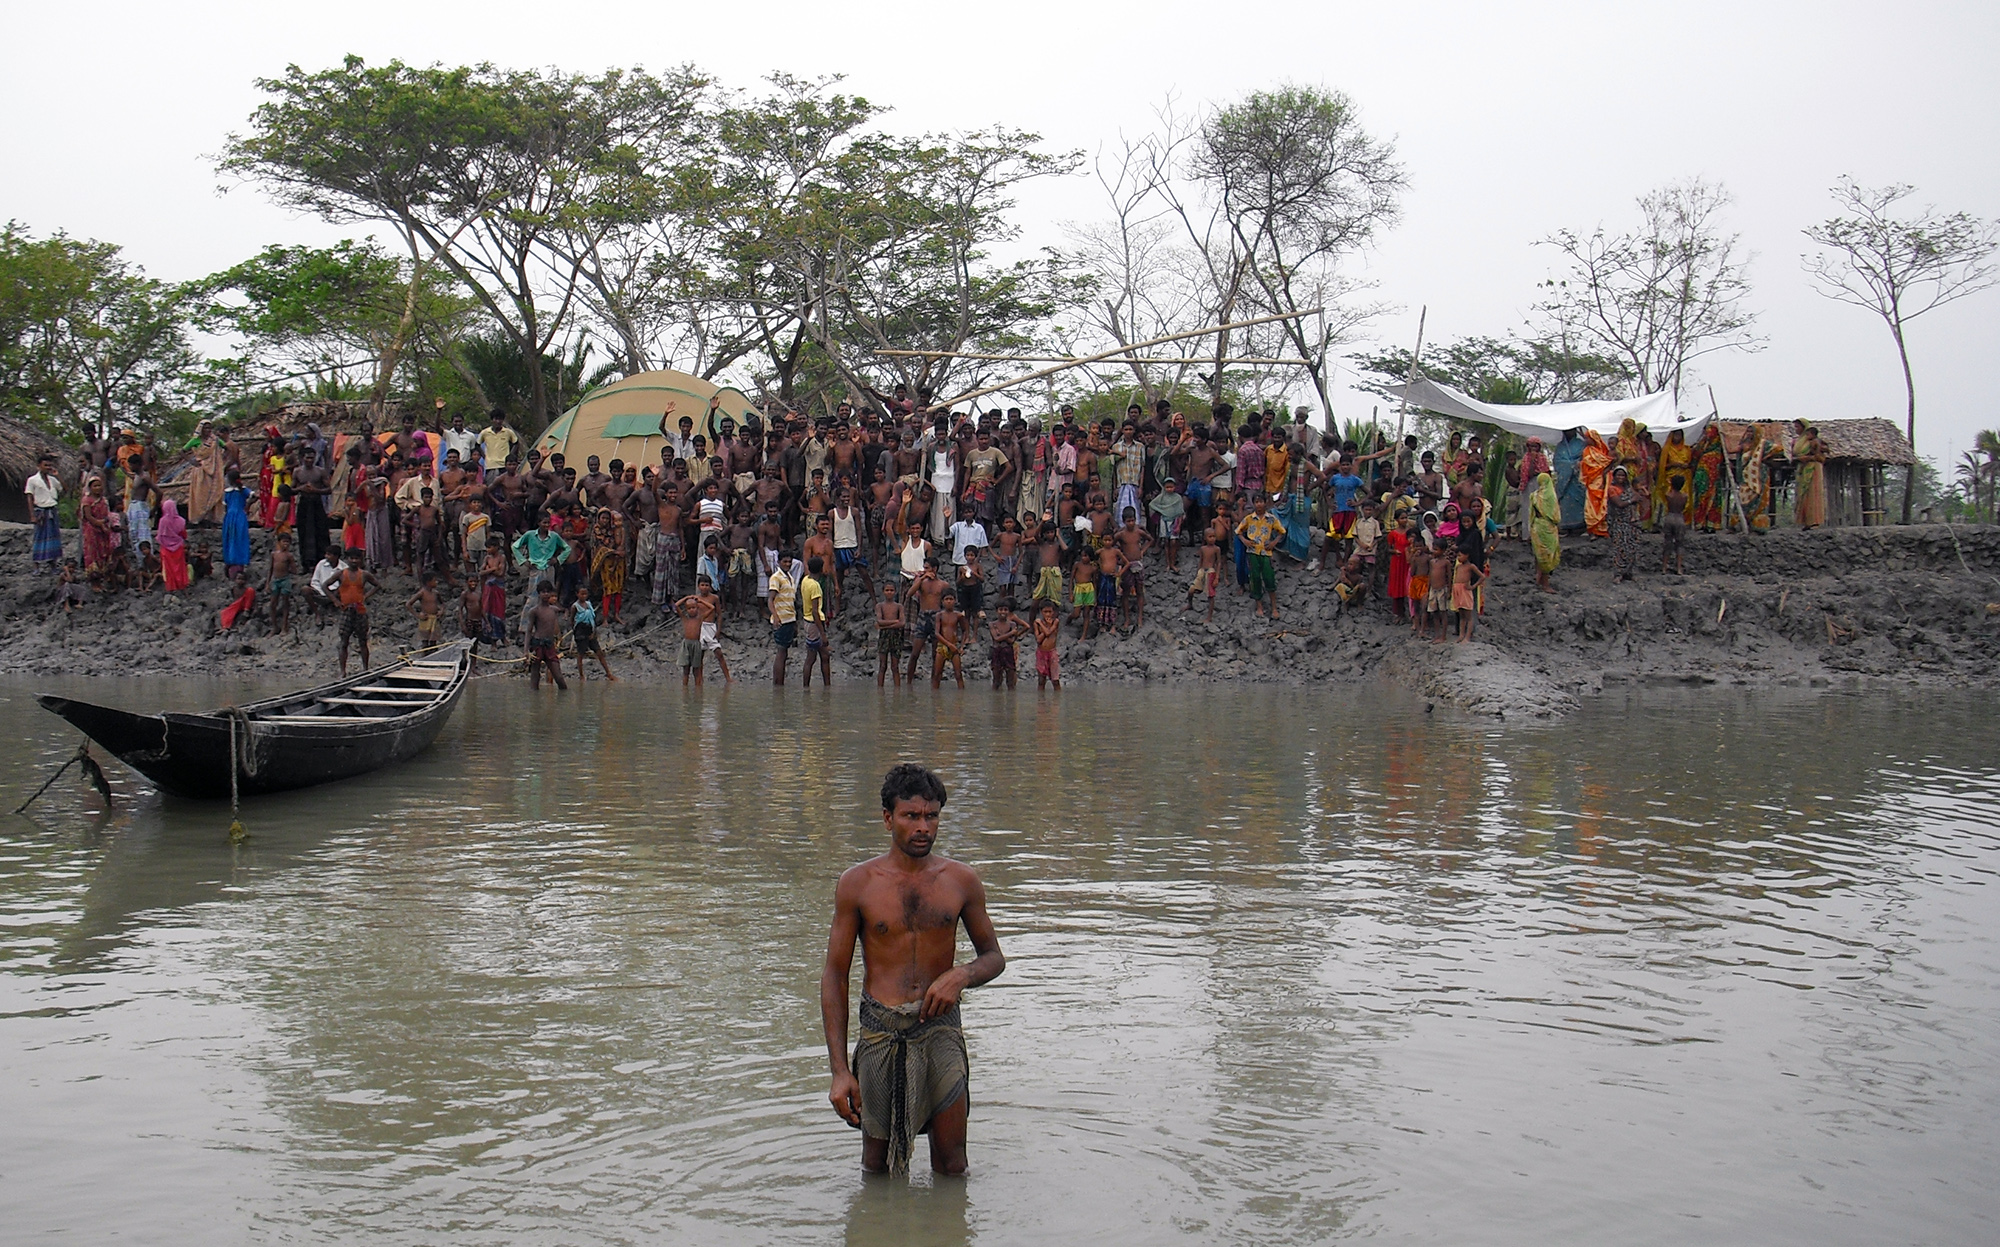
(1283, 968)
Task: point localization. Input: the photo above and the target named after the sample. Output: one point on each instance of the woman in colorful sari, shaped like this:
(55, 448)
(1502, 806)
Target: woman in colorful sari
(1626, 446)
(1676, 458)
(1644, 474)
(1534, 463)
(1568, 461)
(1595, 470)
(1753, 483)
(94, 518)
(1544, 528)
(173, 547)
(1706, 482)
(1622, 506)
(1809, 509)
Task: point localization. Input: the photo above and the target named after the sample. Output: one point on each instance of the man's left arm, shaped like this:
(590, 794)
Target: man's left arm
(986, 966)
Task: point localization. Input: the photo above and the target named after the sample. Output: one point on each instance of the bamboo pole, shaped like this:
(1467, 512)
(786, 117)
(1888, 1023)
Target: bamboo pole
(1416, 357)
(1123, 350)
(1119, 363)
(1728, 469)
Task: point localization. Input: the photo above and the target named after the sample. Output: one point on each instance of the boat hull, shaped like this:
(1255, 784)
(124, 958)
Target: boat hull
(188, 755)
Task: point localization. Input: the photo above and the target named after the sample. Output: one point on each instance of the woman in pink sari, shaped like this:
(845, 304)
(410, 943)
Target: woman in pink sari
(172, 536)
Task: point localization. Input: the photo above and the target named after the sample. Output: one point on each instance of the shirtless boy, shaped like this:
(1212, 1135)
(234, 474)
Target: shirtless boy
(1047, 627)
(951, 633)
(701, 632)
(890, 638)
(544, 622)
(905, 907)
(1007, 629)
(284, 566)
(1209, 574)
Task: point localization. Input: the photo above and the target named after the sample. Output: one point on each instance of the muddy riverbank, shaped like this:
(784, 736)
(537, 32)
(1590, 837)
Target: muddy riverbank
(1911, 605)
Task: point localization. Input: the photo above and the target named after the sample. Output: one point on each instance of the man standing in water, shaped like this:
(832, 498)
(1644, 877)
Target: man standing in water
(906, 906)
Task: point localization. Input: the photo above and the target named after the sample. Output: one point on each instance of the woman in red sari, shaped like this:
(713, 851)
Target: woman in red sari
(94, 517)
(1595, 471)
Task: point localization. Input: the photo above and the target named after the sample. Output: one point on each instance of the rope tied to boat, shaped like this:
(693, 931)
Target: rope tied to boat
(236, 715)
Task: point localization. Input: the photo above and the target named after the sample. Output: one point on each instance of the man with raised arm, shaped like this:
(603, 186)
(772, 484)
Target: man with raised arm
(906, 906)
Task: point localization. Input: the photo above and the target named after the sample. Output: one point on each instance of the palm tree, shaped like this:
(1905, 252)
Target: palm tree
(1987, 442)
(1968, 472)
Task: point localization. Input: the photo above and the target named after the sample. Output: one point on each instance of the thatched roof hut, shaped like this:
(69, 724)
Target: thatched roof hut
(1857, 453)
(335, 418)
(21, 448)
(1873, 440)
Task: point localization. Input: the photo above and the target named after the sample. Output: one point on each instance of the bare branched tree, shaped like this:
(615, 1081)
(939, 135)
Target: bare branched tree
(1900, 266)
(1659, 298)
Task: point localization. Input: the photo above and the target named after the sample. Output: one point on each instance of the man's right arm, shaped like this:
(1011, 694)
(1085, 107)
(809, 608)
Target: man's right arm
(845, 1094)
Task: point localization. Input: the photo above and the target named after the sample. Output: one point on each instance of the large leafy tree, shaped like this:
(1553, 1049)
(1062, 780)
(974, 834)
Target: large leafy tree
(483, 171)
(321, 317)
(87, 340)
(1496, 370)
(1899, 265)
(836, 240)
(1659, 297)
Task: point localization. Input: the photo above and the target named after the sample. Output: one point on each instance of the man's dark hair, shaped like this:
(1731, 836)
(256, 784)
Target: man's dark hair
(906, 781)
(498, 413)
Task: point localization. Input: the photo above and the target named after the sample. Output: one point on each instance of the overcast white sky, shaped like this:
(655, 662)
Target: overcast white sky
(1513, 120)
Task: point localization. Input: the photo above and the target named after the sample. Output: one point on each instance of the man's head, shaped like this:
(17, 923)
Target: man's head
(499, 416)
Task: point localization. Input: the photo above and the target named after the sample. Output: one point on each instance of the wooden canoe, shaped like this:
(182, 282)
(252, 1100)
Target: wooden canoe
(337, 731)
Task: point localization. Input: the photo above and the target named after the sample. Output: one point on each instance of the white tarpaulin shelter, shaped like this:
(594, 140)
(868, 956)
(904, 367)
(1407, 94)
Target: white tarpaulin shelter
(1550, 420)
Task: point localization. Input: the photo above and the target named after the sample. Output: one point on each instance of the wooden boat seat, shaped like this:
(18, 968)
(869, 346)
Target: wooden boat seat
(437, 677)
(390, 688)
(373, 701)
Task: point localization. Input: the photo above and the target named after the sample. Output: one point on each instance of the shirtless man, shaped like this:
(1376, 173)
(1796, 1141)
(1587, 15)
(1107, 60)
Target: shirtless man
(905, 907)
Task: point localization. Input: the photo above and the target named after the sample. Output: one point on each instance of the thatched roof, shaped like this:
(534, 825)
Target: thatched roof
(23, 445)
(1872, 440)
(333, 416)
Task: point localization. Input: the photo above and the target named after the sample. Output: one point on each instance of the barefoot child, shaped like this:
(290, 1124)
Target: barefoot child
(950, 641)
(1133, 542)
(429, 611)
(1208, 574)
(583, 633)
(1047, 628)
(890, 638)
(284, 566)
(700, 632)
(544, 622)
(1420, 583)
(1464, 579)
(1007, 628)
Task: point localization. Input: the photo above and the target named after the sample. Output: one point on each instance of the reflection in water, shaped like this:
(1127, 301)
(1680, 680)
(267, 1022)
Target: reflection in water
(1281, 968)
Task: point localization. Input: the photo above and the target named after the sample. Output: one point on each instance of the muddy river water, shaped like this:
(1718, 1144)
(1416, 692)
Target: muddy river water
(1284, 967)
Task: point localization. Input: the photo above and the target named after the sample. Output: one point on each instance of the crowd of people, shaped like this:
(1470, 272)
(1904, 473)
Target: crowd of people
(948, 529)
